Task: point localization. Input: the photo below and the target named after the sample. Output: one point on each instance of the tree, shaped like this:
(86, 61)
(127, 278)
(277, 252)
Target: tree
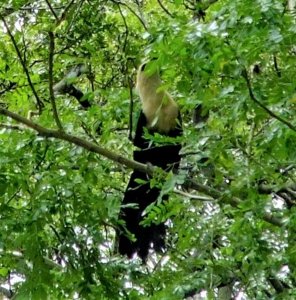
(64, 164)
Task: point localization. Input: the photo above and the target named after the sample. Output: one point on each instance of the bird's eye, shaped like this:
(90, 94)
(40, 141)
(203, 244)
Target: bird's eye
(143, 67)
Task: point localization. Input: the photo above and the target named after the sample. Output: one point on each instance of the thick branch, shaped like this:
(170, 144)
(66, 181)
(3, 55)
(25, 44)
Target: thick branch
(276, 67)
(49, 133)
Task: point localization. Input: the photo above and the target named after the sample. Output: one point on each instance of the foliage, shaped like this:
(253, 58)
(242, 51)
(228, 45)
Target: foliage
(60, 202)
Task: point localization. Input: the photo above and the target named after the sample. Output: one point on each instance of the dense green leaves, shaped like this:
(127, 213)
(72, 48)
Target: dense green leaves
(59, 203)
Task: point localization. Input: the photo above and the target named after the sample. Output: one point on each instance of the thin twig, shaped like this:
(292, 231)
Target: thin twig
(130, 85)
(187, 6)
(88, 133)
(51, 9)
(13, 196)
(75, 15)
(41, 160)
(126, 28)
(50, 75)
(24, 49)
(194, 197)
(164, 9)
(39, 102)
(278, 71)
(248, 148)
(56, 234)
(9, 87)
(133, 12)
(271, 113)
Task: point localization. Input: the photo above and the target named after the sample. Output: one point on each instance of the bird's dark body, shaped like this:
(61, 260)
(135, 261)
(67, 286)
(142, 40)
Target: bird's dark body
(166, 157)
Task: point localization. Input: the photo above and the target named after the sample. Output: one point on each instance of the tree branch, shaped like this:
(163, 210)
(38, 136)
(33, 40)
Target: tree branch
(51, 9)
(64, 13)
(132, 11)
(194, 197)
(276, 67)
(50, 80)
(271, 113)
(50, 133)
(16, 7)
(39, 102)
(131, 108)
(9, 87)
(126, 28)
(164, 9)
(189, 183)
